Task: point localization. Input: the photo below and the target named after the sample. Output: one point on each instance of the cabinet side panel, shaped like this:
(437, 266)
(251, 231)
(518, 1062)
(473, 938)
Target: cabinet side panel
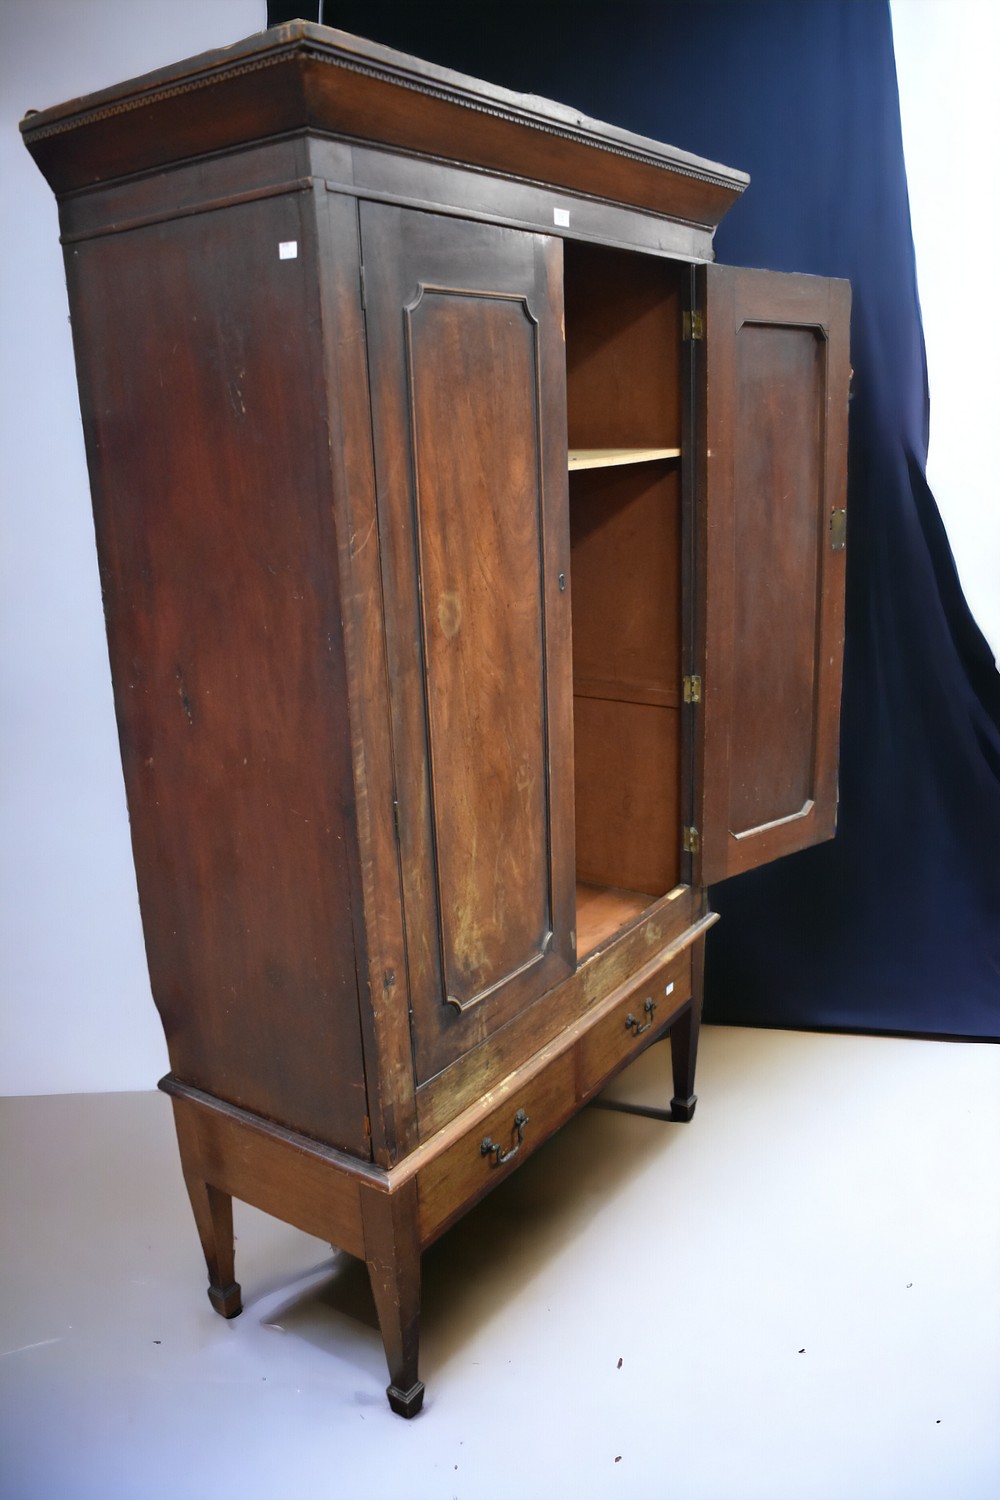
(202, 393)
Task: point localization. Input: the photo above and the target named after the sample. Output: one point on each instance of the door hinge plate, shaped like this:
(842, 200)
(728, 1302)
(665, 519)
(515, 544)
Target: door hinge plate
(838, 530)
(693, 326)
(692, 689)
(395, 819)
(691, 841)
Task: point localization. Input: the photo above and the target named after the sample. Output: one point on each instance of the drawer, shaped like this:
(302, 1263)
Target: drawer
(485, 1153)
(630, 1024)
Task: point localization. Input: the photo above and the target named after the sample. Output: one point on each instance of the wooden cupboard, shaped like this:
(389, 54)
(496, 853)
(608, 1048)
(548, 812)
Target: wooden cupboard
(472, 558)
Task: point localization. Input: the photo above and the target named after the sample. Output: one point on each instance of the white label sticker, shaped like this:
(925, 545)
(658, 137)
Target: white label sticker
(288, 249)
(670, 988)
(560, 216)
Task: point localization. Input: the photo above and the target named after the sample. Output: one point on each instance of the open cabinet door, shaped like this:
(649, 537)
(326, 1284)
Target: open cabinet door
(771, 419)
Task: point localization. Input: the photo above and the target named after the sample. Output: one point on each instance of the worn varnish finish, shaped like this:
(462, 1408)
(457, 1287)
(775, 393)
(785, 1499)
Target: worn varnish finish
(222, 605)
(423, 736)
(305, 77)
(623, 363)
(464, 339)
(623, 348)
(625, 526)
(385, 1020)
(616, 957)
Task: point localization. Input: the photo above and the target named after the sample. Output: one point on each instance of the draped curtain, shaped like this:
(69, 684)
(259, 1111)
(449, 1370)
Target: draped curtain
(895, 926)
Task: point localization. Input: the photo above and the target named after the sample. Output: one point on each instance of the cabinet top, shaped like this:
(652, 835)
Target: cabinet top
(301, 76)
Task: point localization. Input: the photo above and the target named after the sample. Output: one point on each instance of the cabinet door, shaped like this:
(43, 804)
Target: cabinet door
(468, 399)
(771, 415)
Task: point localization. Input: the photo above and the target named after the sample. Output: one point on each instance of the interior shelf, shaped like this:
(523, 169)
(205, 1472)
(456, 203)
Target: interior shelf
(606, 458)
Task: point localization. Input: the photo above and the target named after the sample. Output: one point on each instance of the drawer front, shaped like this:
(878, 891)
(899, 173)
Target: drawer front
(643, 1014)
(498, 1143)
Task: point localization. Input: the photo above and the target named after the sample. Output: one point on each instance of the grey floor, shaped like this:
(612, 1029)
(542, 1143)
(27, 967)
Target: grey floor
(798, 1295)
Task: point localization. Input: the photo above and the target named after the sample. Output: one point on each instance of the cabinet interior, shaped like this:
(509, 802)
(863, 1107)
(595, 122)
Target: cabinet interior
(624, 416)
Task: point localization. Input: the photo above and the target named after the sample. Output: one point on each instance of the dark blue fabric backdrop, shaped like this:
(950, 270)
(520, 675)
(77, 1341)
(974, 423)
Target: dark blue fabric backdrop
(896, 924)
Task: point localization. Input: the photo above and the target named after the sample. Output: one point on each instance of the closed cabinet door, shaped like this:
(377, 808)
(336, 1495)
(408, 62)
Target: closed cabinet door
(466, 367)
(771, 412)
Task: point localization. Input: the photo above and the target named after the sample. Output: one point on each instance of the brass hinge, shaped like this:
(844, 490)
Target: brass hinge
(395, 818)
(838, 530)
(692, 689)
(691, 841)
(692, 326)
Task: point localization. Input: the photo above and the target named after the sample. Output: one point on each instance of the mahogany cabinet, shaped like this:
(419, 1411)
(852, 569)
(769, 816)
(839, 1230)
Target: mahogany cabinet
(472, 557)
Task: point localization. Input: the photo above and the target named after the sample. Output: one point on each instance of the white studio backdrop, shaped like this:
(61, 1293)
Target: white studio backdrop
(76, 1014)
(946, 64)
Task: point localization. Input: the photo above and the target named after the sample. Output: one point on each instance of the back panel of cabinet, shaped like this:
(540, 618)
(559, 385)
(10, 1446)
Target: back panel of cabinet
(623, 367)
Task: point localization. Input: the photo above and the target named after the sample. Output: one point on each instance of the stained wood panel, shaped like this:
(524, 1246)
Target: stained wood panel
(602, 911)
(218, 565)
(773, 409)
(625, 530)
(472, 373)
(622, 349)
(303, 77)
(377, 907)
(469, 415)
(779, 383)
(627, 795)
(344, 667)
(623, 370)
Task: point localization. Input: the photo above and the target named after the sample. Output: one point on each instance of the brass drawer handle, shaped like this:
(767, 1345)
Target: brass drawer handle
(489, 1147)
(631, 1024)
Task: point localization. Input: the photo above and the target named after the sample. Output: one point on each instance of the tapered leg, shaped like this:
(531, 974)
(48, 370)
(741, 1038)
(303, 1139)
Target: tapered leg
(683, 1054)
(392, 1251)
(684, 1043)
(213, 1215)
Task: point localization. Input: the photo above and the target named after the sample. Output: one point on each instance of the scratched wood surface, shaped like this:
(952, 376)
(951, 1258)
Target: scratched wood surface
(773, 390)
(353, 631)
(217, 564)
(471, 473)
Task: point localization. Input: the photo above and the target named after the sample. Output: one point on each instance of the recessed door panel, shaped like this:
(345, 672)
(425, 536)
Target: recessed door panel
(779, 379)
(470, 437)
(472, 374)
